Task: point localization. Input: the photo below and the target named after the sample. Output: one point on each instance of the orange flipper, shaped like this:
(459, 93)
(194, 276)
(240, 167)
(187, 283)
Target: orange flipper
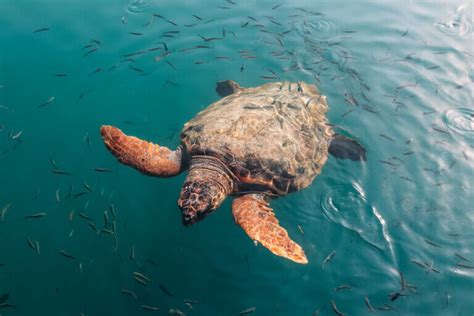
(146, 157)
(253, 214)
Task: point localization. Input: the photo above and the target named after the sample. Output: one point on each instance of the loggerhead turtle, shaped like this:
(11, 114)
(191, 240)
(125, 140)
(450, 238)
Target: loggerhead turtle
(255, 144)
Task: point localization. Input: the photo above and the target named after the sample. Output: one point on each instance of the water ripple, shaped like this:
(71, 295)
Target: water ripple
(460, 120)
(456, 23)
(347, 206)
(319, 28)
(138, 6)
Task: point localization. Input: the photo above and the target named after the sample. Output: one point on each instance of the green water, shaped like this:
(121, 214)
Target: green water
(398, 76)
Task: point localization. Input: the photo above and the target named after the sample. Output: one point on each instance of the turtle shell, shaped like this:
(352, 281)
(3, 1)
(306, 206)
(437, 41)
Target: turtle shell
(273, 137)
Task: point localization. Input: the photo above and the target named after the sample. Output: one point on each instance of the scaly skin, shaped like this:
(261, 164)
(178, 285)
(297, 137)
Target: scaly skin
(254, 215)
(208, 183)
(146, 157)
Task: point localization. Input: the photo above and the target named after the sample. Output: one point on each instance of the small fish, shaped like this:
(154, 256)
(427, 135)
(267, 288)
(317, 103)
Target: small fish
(125, 291)
(38, 248)
(105, 230)
(112, 210)
(84, 216)
(141, 276)
(4, 210)
(342, 287)
(197, 17)
(463, 265)
(17, 135)
(329, 257)
(440, 130)
(102, 170)
(80, 194)
(385, 307)
(135, 53)
(60, 75)
(44, 29)
(301, 229)
(30, 243)
(132, 253)
(461, 257)
(432, 243)
(335, 309)
(165, 290)
(57, 171)
(405, 33)
(97, 70)
(176, 312)
(389, 163)
(51, 99)
(36, 215)
(70, 216)
(94, 228)
(164, 46)
(369, 306)
(106, 218)
(90, 52)
(58, 199)
(430, 267)
(67, 255)
(88, 188)
(150, 308)
(135, 33)
(141, 281)
(418, 263)
(170, 64)
(4, 298)
(276, 6)
(248, 311)
(387, 137)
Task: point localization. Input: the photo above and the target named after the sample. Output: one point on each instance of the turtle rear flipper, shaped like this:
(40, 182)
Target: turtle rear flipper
(253, 214)
(346, 148)
(227, 87)
(146, 157)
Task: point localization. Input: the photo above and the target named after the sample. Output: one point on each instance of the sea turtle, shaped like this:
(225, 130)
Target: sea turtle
(255, 144)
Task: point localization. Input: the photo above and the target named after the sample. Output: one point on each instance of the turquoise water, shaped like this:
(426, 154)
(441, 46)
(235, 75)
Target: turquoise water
(398, 76)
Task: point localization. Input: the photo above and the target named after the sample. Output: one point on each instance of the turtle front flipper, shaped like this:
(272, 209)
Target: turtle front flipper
(254, 215)
(146, 157)
(346, 148)
(227, 87)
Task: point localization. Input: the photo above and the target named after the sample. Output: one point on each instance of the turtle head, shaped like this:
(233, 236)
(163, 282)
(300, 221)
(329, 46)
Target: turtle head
(206, 186)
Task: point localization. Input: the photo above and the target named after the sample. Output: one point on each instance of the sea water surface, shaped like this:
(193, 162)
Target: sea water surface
(393, 235)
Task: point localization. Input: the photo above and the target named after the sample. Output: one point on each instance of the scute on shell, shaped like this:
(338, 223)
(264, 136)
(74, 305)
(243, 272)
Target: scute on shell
(274, 137)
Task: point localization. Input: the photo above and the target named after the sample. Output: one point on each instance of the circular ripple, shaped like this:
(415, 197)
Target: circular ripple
(460, 120)
(457, 23)
(347, 206)
(138, 6)
(320, 28)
